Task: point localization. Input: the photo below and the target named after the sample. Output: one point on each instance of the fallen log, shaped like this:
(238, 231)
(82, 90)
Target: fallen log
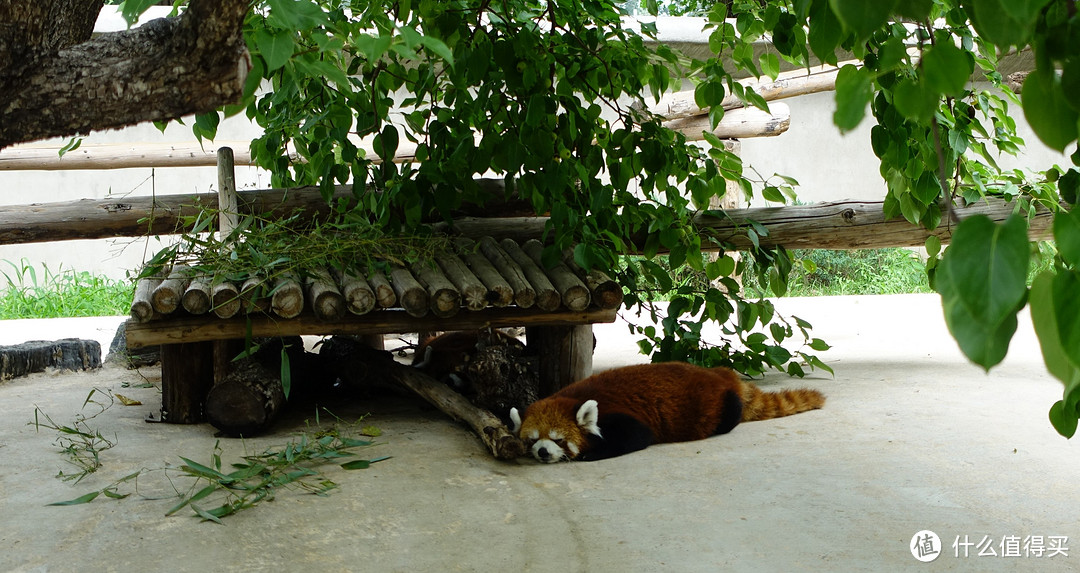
(473, 292)
(225, 299)
(35, 356)
(384, 292)
(247, 400)
(197, 297)
(498, 439)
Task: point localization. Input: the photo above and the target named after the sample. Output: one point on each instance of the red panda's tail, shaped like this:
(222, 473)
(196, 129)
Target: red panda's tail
(758, 405)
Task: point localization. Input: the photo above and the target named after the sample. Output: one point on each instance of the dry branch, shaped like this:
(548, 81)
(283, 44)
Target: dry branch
(502, 444)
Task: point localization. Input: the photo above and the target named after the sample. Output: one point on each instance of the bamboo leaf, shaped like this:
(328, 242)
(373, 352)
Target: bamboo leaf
(79, 500)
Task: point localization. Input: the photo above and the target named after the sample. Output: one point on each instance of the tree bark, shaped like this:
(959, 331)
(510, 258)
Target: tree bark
(55, 80)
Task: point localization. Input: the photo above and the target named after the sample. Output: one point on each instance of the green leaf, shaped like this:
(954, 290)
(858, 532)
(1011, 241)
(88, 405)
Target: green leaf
(286, 374)
(1067, 236)
(132, 9)
(206, 514)
(296, 14)
(854, 89)
(861, 16)
(276, 47)
(933, 245)
(915, 10)
(357, 465)
(946, 69)
(709, 94)
(1005, 22)
(1046, 109)
(1066, 301)
(1045, 320)
(825, 33)
(79, 500)
(1069, 186)
(1064, 421)
(914, 101)
(770, 65)
(982, 281)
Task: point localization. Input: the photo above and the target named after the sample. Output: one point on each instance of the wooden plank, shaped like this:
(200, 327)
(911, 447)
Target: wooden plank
(193, 329)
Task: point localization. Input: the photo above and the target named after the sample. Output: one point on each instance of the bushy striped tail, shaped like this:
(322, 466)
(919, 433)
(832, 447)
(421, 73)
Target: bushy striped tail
(758, 405)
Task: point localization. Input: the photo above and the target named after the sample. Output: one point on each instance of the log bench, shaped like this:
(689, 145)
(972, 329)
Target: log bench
(198, 332)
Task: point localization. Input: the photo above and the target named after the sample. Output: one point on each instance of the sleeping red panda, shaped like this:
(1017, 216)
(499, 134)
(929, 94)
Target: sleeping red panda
(627, 409)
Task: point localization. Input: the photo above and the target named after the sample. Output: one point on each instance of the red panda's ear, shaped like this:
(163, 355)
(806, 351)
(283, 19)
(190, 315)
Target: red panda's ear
(588, 415)
(516, 419)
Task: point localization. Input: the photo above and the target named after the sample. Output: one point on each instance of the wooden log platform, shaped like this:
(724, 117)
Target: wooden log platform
(444, 294)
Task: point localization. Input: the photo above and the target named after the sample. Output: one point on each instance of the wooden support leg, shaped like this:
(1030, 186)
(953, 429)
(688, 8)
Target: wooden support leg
(224, 353)
(565, 354)
(375, 341)
(187, 371)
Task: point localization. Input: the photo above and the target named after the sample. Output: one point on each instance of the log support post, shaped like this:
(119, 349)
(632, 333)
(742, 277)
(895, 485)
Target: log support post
(565, 354)
(187, 372)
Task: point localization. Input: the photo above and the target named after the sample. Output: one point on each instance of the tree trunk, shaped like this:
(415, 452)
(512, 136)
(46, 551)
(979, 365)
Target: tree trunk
(55, 80)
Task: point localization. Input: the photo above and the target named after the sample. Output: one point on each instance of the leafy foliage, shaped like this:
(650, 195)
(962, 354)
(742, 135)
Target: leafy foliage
(536, 93)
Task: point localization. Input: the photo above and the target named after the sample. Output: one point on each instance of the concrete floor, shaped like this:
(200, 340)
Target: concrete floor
(912, 438)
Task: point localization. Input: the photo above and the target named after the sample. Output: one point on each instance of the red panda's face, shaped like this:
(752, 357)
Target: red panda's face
(554, 429)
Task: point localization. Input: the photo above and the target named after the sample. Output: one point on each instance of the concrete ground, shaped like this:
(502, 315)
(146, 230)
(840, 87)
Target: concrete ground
(912, 438)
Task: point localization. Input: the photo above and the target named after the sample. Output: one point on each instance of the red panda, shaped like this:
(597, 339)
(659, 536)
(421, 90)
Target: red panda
(627, 409)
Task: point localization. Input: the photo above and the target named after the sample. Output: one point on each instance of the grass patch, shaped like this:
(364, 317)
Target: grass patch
(870, 271)
(28, 292)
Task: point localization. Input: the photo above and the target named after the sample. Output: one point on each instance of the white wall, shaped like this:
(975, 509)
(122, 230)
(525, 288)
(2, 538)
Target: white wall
(113, 257)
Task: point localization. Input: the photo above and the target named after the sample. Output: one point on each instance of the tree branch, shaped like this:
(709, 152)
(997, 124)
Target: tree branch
(165, 69)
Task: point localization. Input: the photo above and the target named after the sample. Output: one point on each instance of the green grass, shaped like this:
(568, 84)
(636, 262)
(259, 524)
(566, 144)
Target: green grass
(871, 271)
(29, 292)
